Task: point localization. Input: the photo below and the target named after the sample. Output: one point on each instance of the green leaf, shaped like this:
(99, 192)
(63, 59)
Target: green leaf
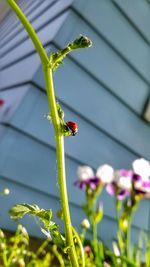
(19, 210)
(50, 229)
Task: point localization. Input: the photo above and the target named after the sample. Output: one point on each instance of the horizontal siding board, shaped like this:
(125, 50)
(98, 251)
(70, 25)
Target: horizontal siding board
(138, 142)
(3, 131)
(97, 12)
(102, 62)
(41, 16)
(32, 121)
(24, 71)
(11, 19)
(27, 46)
(139, 14)
(15, 28)
(123, 90)
(25, 154)
(96, 104)
(12, 99)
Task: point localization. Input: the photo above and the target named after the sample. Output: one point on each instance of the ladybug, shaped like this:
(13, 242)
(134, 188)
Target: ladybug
(1, 102)
(72, 127)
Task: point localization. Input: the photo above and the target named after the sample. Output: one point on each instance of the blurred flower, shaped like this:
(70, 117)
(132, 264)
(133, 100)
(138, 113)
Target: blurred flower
(86, 178)
(121, 185)
(105, 173)
(85, 223)
(141, 177)
(142, 188)
(142, 168)
(91, 182)
(114, 190)
(85, 172)
(123, 178)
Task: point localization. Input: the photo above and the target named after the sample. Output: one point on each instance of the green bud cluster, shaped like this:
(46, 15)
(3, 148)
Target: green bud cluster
(81, 42)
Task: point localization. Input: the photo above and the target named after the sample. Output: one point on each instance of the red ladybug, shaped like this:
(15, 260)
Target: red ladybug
(73, 127)
(1, 102)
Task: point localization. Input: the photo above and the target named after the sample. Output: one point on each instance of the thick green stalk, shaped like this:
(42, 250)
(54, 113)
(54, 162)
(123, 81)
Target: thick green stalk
(60, 164)
(57, 128)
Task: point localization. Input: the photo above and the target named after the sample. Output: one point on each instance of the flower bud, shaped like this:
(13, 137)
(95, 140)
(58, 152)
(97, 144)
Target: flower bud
(99, 214)
(85, 224)
(81, 42)
(85, 172)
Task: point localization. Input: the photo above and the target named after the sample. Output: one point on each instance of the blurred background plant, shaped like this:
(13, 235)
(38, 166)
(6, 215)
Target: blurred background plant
(128, 187)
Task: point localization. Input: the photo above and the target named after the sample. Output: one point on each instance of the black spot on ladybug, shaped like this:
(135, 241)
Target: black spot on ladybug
(73, 127)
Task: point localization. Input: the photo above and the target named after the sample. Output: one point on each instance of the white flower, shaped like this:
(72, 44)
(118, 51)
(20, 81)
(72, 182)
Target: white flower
(85, 224)
(105, 173)
(85, 172)
(123, 178)
(142, 168)
(125, 182)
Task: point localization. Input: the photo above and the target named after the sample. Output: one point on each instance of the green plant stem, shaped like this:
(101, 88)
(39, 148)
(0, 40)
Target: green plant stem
(78, 239)
(58, 256)
(57, 128)
(127, 239)
(82, 236)
(94, 230)
(119, 232)
(94, 239)
(42, 247)
(60, 165)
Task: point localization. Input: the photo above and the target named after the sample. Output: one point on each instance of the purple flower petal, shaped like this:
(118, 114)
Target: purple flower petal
(136, 177)
(111, 188)
(91, 182)
(122, 194)
(125, 173)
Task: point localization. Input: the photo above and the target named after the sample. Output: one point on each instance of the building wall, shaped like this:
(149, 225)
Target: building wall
(104, 89)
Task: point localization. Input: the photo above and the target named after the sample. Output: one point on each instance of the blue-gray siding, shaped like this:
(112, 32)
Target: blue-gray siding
(104, 89)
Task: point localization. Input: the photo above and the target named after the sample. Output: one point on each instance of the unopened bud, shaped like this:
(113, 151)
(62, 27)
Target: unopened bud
(81, 42)
(85, 224)
(99, 213)
(1, 234)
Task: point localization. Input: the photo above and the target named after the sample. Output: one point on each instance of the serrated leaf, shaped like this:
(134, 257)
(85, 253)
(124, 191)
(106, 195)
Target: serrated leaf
(19, 210)
(50, 228)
